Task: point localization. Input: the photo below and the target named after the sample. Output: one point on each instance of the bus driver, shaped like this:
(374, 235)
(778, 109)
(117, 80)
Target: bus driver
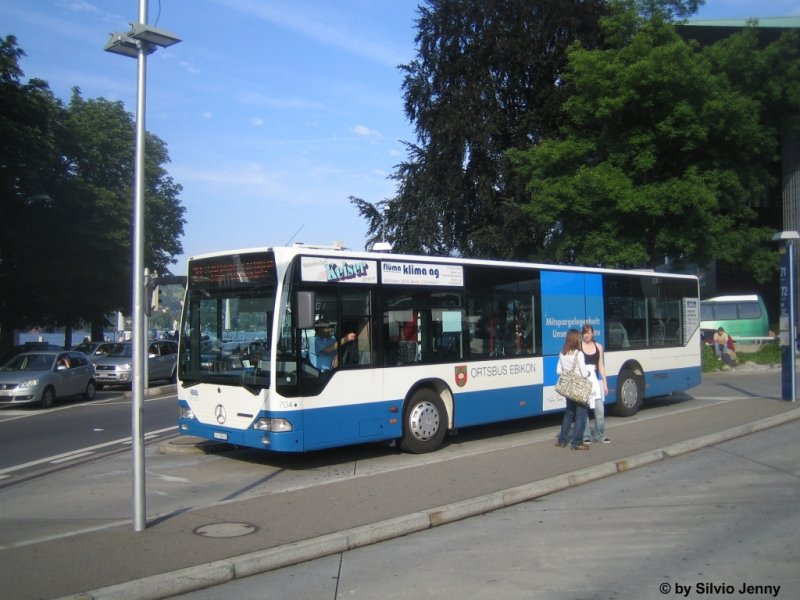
(325, 346)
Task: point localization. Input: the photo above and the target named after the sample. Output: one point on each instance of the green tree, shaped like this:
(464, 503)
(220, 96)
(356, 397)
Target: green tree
(375, 216)
(660, 155)
(91, 247)
(769, 74)
(97, 210)
(66, 180)
(487, 77)
(30, 166)
(164, 213)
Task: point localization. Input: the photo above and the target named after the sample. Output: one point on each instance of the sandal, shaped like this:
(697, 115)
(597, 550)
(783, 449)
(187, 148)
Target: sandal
(560, 445)
(581, 447)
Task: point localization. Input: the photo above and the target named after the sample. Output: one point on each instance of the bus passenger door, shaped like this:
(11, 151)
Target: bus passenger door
(568, 301)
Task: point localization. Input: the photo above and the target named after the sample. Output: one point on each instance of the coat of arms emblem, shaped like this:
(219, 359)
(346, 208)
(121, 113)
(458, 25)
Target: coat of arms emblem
(461, 376)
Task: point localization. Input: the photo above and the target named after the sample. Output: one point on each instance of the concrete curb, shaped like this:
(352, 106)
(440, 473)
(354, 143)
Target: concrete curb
(219, 572)
(150, 391)
(185, 445)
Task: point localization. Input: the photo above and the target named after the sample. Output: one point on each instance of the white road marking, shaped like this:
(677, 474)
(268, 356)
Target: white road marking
(69, 458)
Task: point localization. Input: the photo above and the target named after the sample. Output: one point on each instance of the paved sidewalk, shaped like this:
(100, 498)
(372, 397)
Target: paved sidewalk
(720, 522)
(188, 551)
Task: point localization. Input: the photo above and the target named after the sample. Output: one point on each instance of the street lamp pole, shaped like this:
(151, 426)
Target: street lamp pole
(137, 386)
(138, 43)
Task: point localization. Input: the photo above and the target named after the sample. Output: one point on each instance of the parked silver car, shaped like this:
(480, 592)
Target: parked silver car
(44, 376)
(116, 368)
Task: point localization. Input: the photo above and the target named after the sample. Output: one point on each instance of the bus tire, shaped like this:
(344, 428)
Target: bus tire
(630, 391)
(424, 422)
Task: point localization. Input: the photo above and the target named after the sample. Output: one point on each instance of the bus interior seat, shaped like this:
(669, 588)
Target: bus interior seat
(617, 335)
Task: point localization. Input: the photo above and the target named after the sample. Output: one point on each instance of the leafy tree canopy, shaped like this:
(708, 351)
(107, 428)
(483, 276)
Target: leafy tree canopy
(664, 150)
(487, 77)
(66, 192)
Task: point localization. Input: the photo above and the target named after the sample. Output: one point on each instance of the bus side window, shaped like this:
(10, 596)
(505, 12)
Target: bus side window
(355, 306)
(500, 312)
(400, 333)
(349, 354)
(364, 341)
(673, 331)
(407, 346)
(617, 336)
(448, 332)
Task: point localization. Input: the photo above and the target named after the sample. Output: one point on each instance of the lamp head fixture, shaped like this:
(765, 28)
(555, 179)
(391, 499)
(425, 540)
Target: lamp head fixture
(151, 35)
(140, 36)
(785, 236)
(119, 43)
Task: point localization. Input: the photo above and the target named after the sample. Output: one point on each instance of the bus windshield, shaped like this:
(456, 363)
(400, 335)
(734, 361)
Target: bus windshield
(225, 336)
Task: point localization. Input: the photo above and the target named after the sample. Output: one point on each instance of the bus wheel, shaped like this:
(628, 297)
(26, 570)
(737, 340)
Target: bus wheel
(425, 423)
(630, 391)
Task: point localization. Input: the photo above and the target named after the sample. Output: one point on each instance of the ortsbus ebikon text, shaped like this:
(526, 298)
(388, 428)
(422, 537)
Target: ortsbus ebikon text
(300, 348)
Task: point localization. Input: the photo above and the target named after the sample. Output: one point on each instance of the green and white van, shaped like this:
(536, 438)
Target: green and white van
(741, 316)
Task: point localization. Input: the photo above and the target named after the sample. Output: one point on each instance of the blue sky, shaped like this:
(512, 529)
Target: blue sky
(274, 111)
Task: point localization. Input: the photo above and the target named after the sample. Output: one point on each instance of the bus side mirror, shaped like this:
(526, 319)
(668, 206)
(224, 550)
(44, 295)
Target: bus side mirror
(306, 312)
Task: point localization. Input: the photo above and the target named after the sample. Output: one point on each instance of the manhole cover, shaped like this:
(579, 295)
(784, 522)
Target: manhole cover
(225, 530)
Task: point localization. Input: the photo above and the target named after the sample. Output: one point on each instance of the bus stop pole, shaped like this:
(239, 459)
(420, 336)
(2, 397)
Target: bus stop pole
(788, 315)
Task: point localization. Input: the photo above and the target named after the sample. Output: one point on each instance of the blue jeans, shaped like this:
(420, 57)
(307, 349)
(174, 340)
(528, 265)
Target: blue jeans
(599, 423)
(578, 413)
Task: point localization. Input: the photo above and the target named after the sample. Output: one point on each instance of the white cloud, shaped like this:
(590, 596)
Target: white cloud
(366, 132)
(189, 67)
(82, 7)
(257, 121)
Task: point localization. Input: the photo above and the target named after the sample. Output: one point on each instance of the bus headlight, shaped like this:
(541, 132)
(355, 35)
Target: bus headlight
(276, 425)
(184, 412)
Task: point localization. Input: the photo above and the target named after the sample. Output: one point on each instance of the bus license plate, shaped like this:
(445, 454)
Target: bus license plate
(218, 435)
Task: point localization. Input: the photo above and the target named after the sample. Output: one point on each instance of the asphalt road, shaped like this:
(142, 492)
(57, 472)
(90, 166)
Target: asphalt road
(30, 436)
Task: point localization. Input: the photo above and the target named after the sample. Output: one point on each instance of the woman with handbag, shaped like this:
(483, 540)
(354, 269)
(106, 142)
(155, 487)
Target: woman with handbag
(571, 358)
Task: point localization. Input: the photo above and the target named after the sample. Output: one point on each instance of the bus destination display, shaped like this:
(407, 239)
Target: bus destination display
(232, 271)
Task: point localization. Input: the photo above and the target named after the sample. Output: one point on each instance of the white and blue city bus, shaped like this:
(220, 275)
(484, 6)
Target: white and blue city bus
(440, 344)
